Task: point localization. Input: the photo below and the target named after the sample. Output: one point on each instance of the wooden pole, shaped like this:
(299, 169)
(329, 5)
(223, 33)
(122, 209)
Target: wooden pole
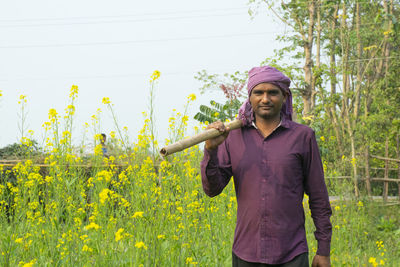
(198, 138)
(386, 184)
(367, 175)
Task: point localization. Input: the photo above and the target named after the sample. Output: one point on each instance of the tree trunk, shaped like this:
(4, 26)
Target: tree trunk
(345, 100)
(359, 66)
(308, 43)
(331, 108)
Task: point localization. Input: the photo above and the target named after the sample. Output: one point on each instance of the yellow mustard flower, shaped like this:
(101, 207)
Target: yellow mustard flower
(106, 100)
(140, 245)
(92, 225)
(52, 114)
(118, 234)
(86, 248)
(372, 260)
(370, 47)
(192, 97)
(138, 214)
(22, 99)
(29, 264)
(74, 91)
(103, 195)
(189, 260)
(156, 74)
(98, 150)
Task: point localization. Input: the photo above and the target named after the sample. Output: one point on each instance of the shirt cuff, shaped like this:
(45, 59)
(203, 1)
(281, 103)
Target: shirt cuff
(324, 248)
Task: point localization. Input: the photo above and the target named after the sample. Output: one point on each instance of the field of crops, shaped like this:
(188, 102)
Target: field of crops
(135, 209)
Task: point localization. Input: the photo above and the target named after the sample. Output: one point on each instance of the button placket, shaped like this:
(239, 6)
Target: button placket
(263, 200)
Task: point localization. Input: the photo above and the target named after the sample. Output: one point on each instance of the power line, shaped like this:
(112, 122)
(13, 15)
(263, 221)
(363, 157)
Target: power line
(123, 16)
(118, 21)
(332, 4)
(143, 75)
(137, 20)
(135, 41)
(97, 76)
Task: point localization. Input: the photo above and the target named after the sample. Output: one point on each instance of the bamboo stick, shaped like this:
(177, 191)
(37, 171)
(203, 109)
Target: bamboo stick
(198, 138)
(385, 158)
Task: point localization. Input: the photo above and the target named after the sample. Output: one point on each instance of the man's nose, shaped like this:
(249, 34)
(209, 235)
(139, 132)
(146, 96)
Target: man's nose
(265, 97)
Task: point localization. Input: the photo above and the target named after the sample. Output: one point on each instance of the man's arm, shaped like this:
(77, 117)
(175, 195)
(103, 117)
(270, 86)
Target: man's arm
(319, 204)
(216, 169)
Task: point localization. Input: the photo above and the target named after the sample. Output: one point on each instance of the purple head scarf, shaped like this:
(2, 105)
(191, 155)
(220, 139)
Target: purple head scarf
(266, 74)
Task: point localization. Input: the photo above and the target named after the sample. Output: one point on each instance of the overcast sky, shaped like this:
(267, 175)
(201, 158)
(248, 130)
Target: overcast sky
(110, 49)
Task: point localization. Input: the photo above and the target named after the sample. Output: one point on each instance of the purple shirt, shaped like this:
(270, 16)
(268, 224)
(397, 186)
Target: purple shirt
(271, 176)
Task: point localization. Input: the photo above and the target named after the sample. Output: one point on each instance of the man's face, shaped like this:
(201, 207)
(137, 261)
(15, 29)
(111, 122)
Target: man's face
(266, 100)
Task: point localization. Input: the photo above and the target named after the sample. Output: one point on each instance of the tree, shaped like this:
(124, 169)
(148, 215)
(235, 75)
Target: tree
(232, 86)
(353, 95)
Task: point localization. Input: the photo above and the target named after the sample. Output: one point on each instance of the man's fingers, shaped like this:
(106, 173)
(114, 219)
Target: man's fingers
(217, 125)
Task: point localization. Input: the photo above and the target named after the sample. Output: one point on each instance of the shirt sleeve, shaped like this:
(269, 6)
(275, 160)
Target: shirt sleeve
(319, 204)
(216, 170)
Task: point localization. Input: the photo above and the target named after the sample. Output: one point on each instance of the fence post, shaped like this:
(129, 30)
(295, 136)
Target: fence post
(367, 175)
(398, 163)
(385, 183)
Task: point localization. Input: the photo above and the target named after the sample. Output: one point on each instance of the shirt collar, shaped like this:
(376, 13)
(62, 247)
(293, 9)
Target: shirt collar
(284, 123)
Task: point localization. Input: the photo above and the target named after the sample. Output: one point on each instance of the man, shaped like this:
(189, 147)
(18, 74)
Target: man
(103, 145)
(273, 161)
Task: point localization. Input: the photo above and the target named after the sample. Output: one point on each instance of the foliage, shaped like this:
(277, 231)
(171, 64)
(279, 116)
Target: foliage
(231, 85)
(218, 111)
(214, 81)
(20, 151)
(350, 49)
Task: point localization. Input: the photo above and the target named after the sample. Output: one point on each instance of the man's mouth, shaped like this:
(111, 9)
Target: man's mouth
(266, 107)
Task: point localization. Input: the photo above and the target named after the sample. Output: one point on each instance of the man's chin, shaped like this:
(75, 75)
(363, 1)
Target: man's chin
(266, 115)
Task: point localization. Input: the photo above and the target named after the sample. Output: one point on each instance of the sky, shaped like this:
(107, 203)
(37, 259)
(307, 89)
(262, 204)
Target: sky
(110, 50)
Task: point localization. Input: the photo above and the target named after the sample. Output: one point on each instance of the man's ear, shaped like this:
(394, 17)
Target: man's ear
(285, 96)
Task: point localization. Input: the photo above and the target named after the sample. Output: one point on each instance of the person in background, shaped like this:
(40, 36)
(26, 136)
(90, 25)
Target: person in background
(273, 161)
(103, 145)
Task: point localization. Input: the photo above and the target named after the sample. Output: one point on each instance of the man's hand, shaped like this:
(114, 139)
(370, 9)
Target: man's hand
(321, 261)
(213, 143)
